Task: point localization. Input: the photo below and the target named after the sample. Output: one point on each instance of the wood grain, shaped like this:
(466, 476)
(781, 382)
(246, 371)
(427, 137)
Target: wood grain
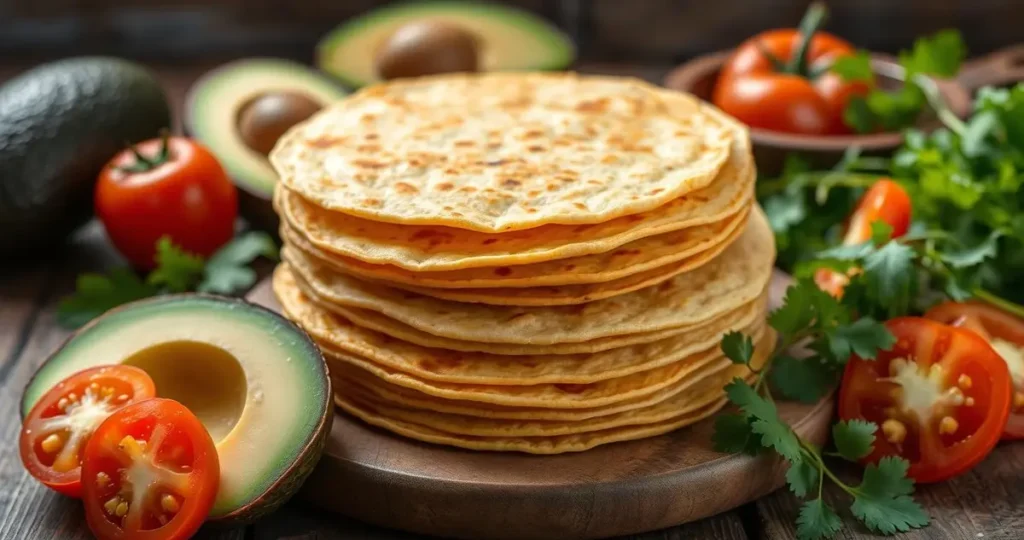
(614, 489)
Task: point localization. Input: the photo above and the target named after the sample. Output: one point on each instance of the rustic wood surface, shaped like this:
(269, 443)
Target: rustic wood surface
(987, 502)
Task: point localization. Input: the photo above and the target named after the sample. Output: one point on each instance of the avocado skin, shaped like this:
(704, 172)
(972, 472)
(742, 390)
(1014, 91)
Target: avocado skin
(59, 125)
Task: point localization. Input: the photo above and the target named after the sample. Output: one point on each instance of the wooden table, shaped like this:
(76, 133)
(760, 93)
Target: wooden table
(987, 502)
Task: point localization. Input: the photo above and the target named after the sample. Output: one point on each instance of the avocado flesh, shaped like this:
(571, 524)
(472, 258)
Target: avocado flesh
(255, 380)
(211, 116)
(511, 40)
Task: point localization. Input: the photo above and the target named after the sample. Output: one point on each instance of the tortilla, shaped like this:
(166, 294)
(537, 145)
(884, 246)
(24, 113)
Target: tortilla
(735, 278)
(626, 260)
(505, 151)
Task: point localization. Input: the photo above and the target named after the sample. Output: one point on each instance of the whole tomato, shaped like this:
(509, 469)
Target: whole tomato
(779, 80)
(166, 187)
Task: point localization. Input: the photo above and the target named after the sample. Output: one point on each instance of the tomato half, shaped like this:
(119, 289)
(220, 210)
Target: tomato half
(940, 397)
(151, 473)
(884, 201)
(1006, 335)
(166, 187)
(801, 96)
(55, 432)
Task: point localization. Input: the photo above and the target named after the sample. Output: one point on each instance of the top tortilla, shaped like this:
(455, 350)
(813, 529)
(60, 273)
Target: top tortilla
(502, 151)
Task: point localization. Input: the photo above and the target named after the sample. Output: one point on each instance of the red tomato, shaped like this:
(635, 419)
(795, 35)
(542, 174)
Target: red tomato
(150, 473)
(940, 397)
(178, 190)
(885, 201)
(1006, 335)
(57, 428)
(760, 94)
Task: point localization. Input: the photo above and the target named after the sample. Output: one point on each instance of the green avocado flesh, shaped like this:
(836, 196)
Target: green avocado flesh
(256, 382)
(214, 102)
(511, 39)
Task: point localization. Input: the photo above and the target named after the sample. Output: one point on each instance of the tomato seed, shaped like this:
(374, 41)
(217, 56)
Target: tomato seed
(948, 425)
(52, 443)
(169, 504)
(894, 431)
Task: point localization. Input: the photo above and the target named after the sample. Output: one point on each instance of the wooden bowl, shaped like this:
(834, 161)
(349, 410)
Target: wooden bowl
(698, 77)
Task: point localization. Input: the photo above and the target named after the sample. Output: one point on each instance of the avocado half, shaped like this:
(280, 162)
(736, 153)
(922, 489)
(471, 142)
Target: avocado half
(211, 113)
(255, 380)
(60, 123)
(510, 39)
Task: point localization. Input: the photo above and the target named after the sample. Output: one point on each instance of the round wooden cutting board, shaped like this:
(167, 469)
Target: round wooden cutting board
(615, 489)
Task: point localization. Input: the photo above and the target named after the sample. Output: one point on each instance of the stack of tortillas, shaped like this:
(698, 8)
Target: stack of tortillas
(531, 262)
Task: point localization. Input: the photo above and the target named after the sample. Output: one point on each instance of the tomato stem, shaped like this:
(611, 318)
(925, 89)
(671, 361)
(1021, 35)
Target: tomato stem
(935, 101)
(145, 163)
(812, 21)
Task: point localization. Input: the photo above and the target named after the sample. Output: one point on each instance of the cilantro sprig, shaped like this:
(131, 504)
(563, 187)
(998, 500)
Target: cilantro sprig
(226, 272)
(939, 55)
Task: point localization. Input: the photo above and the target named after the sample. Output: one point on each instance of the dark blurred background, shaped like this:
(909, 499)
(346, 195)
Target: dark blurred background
(632, 31)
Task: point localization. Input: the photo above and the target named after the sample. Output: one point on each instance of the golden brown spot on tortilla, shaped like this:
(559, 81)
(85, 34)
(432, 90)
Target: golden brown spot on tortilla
(326, 142)
(510, 183)
(569, 267)
(445, 186)
(572, 388)
(371, 202)
(369, 163)
(655, 191)
(596, 105)
(580, 206)
(405, 188)
(535, 148)
(464, 144)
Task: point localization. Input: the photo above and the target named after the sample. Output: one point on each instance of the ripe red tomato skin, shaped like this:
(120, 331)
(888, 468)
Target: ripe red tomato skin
(189, 198)
(884, 201)
(750, 89)
(908, 332)
(142, 388)
(204, 481)
(994, 322)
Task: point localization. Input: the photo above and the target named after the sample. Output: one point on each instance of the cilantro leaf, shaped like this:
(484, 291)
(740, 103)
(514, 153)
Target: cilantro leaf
(96, 293)
(974, 255)
(859, 116)
(228, 271)
(733, 435)
(882, 500)
(802, 477)
(738, 347)
(940, 54)
(847, 252)
(176, 271)
(773, 431)
(806, 380)
(863, 337)
(889, 276)
(854, 438)
(979, 128)
(856, 67)
(804, 304)
(817, 520)
(881, 232)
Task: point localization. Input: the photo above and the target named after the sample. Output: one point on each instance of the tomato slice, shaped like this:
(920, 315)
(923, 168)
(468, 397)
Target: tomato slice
(55, 431)
(884, 201)
(940, 397)
(150, 473)
(1006, 335)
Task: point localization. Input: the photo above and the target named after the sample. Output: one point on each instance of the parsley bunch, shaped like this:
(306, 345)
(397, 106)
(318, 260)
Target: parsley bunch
(226, 272)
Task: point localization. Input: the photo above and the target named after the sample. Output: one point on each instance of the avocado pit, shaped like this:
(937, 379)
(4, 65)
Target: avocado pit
(265, 118)
(427, 47)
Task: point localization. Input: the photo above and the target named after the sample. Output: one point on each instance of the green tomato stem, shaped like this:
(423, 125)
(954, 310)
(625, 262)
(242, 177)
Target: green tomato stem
(812, 21)
(935, 101)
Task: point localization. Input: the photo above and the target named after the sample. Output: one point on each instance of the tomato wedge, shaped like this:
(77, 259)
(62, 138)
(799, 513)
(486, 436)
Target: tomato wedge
(884, 201)
(57, 428)
(150, 473)
(1006, 335)
(940, 397)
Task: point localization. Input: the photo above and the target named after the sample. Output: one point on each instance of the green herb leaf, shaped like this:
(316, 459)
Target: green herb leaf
(228, 270)
(882, 500)
(96, 293)
(176, 270)
(881, 232)
(863, 337)
(890, 276)
(817, 521)
(734, 435)
(773, 431)
(974, 255)
(979, 128)
(802, 477)
(854, 438)
(856, 67)
(805, 380)
(940, 54)
(738, 347)
(859, 116)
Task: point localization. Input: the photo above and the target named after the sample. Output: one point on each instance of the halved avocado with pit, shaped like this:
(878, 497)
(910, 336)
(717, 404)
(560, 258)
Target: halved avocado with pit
(217, 109)
(255, 380)
(509, 39)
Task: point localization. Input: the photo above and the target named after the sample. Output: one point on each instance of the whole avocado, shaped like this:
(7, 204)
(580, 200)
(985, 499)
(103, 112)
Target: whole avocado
(59, 125)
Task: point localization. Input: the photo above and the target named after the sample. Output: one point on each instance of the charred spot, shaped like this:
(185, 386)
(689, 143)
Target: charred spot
(503, 271)
(573, 388)
(489, 241)
(569, 267)
(426, 234)
(627, 252)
